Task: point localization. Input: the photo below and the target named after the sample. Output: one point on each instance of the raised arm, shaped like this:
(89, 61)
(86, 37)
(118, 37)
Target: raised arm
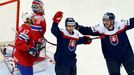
(56, 19)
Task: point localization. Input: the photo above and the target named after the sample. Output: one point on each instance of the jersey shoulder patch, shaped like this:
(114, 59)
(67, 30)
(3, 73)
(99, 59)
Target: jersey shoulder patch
(98, 28)
(120, 24)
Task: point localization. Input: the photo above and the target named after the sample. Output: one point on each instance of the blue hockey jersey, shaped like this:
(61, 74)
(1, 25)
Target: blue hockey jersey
(115, 44)
(66, 45)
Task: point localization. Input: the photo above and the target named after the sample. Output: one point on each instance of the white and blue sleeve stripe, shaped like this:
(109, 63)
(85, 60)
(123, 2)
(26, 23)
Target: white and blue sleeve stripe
(24, 37)
(36, 28)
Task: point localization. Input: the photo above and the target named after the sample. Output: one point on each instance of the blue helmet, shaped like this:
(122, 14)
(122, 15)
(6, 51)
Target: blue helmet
(69, 21)
(109, 15)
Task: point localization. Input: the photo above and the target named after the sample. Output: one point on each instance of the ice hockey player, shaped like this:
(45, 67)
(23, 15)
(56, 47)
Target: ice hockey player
(116, 47)
(67, 40)
(39, 23)
(25, 53)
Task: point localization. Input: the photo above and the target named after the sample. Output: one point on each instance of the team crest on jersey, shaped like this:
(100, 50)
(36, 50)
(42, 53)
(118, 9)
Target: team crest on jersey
(72, 44)
(114, 40)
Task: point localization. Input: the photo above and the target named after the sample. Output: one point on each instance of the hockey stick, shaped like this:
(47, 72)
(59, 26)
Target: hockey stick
(42, 36)
(13, 29)
(50, 42)
(49, 58)
(99, 37)
(46, 39)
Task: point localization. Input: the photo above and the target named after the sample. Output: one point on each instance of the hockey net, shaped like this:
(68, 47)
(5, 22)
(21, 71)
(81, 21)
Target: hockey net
(9, 17)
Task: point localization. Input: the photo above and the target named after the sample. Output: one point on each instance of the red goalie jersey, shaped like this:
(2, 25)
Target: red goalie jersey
(38, 27)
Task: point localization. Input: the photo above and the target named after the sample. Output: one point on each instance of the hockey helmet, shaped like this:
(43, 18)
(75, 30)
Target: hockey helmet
(70, 21)
(109, 15)
(36, 4)
(26, 15)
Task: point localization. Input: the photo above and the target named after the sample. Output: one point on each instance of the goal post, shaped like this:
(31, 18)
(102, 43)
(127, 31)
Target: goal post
(9, 24)
(9, 17)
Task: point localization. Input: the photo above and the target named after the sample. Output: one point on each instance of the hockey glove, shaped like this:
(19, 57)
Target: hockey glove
(40, 45)
(57, 17)
(77, 26)
(33, 51)
(131, 21)
(88, 40)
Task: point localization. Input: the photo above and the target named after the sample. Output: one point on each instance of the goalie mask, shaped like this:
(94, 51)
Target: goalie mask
(37, 7)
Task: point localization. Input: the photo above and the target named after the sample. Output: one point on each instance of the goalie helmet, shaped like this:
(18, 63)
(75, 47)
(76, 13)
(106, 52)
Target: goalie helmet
(69, 21)
(109, 15)
(26, 15)
(36, 6)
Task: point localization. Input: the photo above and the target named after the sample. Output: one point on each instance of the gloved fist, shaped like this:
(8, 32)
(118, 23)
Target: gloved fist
(77, 26)
(33, 51)
(88, 40)
(57, 17)
(131, 21)
(40, 44)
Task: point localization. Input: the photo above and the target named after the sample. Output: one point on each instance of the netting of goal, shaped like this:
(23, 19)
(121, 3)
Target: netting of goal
(9, 19)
